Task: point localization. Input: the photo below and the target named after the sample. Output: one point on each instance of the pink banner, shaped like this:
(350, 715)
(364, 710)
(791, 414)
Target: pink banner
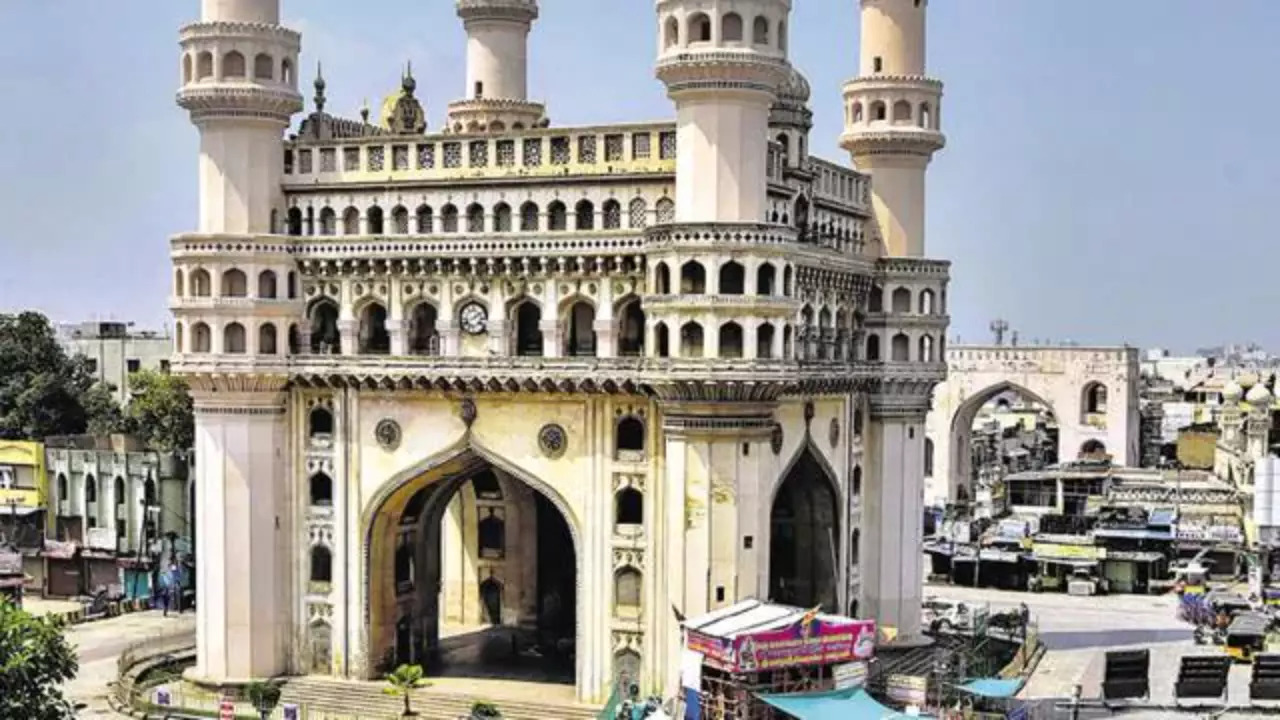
(813, 643)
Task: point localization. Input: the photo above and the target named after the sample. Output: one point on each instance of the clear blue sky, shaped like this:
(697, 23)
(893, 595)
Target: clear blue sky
(1109, 178)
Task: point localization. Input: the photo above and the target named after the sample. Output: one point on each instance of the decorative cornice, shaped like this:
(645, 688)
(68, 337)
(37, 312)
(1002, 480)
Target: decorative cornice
(723, 69)
(905, 140)
(524, 11)
(895, 268)
(892, 82)
(232, 30)
(239, 101)
(718, 234)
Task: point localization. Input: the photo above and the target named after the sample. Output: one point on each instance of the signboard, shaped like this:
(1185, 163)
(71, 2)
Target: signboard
(908, 689)
(163, 697)
(290, 711)
(1068, 552)
(227, 710)
(812, 643)
(1214, 533)
(850, 674)
(998, 555)
(100, 538)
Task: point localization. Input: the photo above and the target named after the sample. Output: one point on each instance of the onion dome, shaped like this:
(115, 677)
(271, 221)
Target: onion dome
(1232, 391)
(1258, 395)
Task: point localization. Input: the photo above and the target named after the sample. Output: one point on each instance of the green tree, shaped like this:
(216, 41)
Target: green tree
(402, 682)
(160, 411)
(42, 389)
(35, 660)
(264, 696)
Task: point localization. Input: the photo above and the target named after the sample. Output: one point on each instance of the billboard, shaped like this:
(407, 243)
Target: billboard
(804, 643)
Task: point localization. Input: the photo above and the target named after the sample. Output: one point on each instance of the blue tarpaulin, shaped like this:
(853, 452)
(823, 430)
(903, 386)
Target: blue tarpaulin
(835, 705)
(993, 687)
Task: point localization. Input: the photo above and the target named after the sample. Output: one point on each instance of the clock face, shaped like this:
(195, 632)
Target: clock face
(473, 318)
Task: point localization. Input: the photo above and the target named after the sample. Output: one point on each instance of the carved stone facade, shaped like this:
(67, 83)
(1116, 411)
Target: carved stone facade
(466, 348)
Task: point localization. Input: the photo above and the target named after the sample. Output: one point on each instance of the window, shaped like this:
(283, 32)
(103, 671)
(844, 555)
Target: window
(877, 64)
(628, 507)
(321, 490)
(627, 586)
(630, 440)
(492, 533)
(321, 422)
(133, 365)
(479, 90)
(6, 478)
(321, 565)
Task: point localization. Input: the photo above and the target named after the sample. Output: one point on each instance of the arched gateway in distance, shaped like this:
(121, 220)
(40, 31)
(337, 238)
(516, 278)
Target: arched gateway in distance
(1092, 392)
(505, 397)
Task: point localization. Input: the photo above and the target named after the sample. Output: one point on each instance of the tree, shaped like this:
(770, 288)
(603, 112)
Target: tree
(264, 696)
(160, 412)
(403, 682)
(41, 387)
(35, 660)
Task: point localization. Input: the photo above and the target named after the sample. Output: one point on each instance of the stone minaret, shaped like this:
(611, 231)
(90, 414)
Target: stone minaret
(892, 126)
(891, 130)
(239, 77)
(497, 95)
(722, 68)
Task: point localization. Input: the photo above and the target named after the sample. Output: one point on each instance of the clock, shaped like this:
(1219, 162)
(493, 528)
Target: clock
(473, 318)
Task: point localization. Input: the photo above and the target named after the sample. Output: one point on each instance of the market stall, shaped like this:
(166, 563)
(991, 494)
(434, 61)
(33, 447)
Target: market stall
(753, 648)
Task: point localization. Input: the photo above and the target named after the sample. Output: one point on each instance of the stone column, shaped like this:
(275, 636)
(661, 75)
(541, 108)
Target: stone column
(449, 336)
(349, 336)
(552, 343)
(606, 342)
(893, 510)
(244, 603)
(398, 329)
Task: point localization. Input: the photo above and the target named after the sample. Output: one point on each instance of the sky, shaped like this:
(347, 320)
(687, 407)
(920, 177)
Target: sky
(1109, 175)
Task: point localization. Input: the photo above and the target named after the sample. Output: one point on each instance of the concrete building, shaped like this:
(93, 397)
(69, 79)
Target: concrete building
(556, 380)
(114, 350)
(24, 503)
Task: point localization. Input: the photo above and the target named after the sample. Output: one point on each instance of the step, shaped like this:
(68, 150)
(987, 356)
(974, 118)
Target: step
(368, 699)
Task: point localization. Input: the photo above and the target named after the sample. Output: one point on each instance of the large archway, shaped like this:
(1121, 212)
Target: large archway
(804, 532)
(473, 572)
(983, 435)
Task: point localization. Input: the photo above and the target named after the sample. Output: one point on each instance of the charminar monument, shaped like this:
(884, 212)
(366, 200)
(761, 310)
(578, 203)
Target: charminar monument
(502, 379)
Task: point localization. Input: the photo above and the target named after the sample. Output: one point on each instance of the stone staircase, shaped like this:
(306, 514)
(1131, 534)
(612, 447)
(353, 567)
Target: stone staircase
(331, 699)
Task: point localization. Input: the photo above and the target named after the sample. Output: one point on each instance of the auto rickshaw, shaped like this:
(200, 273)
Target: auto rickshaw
(1247, 636)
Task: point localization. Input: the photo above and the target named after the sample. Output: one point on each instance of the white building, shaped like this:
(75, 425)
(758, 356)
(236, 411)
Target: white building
(557, 379)
(114, 350)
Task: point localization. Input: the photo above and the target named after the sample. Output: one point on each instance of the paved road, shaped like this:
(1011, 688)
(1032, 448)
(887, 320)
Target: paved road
(98, 644)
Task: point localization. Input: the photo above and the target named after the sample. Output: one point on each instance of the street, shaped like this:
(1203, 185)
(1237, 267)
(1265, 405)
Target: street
(99, 643)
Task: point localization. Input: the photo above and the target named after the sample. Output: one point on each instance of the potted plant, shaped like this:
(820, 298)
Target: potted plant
(482, 710)
(264, 696)
(402, 682)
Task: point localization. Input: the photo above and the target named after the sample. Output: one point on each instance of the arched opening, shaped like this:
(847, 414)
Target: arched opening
(580, 332)
(879, 111)
(926, 302)
(764, 341)
(628, 587)
(664, 211)
(267, 339)
(900, 348)
(502, 217)
(731, 27)
(286, 72)
(900, 301)
(629, 443)
(926, 349)
(320, 423)
(760, 30)
(201, 338)
(424, 339)
(803, 532)
(351, 221)
(204, 66)
(178, 345)
(857, 112)
(661, 279)
(320, 490)
(671, 33)
(782, 35)
(374, 220)
(766, 280)
(90, 489)
(731, 340)
(328, 221)
(528, 217)
(233, 339)
(557, 216)
(321, 566)
(638, 213)
(693, 278)
(423, 216)
(294, 220)
(786, 281)
(630, 334)
(528, 330)
(733, 278)
(325, 339)
(235, 284)
(267, 285)
(233, 65)
(928, 457)
(179, 287)
(902, 111)
(475, 218)
(662, 339)
(449, 219)
(691, 340)
(923, 117)
(699, 28)
(628, 507)
(1001, 429)
(787, 342)
(1093, 405)
(873, 347)
(295, 341)
(374, 339)
(400, 220)
(1093, 449)
(263, 67)
(585, 214)
(472, 577)
(187, 69)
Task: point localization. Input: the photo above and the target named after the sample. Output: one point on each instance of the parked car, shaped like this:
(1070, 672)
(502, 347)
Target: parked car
(943, 617)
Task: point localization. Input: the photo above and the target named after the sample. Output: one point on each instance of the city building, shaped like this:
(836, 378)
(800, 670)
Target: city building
(114, 350)
(121, 513)
(24, 500)
(570, 382)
